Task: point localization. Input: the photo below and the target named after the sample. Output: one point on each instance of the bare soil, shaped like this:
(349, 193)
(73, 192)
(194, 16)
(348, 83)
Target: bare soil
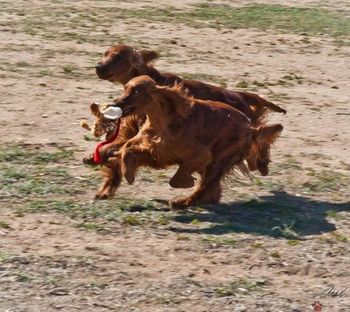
(272, 245)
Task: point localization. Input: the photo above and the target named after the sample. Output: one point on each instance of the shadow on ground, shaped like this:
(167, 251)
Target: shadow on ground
(277, 215)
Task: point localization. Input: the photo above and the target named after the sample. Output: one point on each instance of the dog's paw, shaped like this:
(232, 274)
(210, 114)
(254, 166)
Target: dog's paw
(102, 195)
(263, 167)
(129, 177)
(106, 192)
(182, 183)
(89, 160)
(128, 168)
(128, 174)
(180, 202)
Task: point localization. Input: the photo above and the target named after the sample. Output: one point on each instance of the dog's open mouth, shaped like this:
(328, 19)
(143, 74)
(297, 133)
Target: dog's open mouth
(104, 76)
(128, 110)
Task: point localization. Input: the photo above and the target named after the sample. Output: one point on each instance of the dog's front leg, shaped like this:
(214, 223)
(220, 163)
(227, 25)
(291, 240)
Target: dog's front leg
(129, 165)
(134, 158)
(112, 179)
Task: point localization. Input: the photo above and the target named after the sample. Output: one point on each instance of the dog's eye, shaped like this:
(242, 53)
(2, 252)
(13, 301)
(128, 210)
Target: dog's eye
(136, 92)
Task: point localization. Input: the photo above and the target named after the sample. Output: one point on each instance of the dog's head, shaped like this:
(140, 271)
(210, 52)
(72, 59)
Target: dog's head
(138, 96)
(119, 61)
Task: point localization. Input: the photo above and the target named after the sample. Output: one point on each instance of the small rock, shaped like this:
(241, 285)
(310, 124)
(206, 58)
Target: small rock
(59, 292)
(22, 260)
(91, 248)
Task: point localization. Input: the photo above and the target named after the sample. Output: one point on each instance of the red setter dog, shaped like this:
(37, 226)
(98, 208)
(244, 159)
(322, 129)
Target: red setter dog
(207, 137)
(122, 63)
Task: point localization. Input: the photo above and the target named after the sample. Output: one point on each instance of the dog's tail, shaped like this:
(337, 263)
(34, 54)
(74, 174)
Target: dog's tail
(260, 106)
(259, 154)
(263, 103)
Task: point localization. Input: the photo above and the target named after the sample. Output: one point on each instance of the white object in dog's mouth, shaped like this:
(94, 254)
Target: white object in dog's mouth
(112, 113)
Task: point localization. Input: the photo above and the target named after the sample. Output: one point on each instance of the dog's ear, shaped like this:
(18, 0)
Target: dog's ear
(137, 60)
(95, 109)
(148, 55)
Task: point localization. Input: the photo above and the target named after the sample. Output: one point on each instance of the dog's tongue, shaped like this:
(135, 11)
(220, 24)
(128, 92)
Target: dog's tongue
(112, 113)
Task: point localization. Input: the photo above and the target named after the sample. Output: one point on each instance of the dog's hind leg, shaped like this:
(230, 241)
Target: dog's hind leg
(209, 189)
(183, 176)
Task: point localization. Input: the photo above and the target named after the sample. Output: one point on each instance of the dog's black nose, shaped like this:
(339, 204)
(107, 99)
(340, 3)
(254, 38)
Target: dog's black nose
(98, 66)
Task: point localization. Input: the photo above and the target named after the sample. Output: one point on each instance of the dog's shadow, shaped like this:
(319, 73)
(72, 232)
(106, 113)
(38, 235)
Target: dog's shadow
(277, 215)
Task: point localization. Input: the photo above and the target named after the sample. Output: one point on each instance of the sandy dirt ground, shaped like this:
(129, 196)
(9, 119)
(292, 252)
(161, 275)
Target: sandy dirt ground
(274, 244)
